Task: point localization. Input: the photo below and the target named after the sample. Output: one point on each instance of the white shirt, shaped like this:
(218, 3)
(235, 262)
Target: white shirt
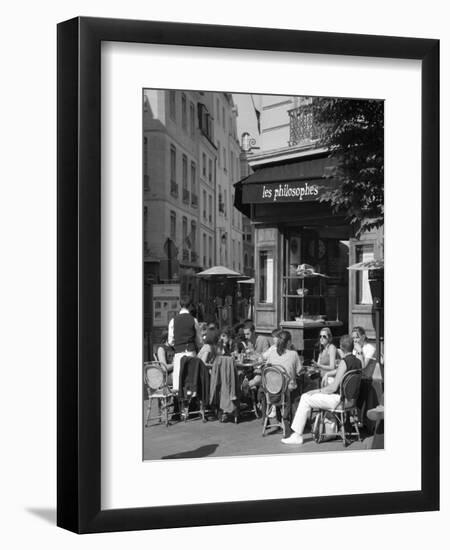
(366, 355)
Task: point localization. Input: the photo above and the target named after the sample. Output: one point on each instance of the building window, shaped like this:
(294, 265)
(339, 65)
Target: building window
(204, 205)
(210, 170)
(225, 202)
(210, 208)
(210, 252)
(194, 197)
(266, 276)
(173, 226)
(205, 121)
(363, 253)
(204, 165)
(184, 173)
(221, 204)
(172, 105)
(204, 250)
(217, 110)
(223, 119)
(193, 236)
(192, 118)
(224, 159)
(183, 112)
(218, 154)
(173, 172)
(184, 231)
(185, 180)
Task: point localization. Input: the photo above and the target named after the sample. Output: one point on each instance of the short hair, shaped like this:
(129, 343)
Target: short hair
(346, 343)
(359, 330)
(275, 332)
(164, 336)
(250, 325)
(185, 301)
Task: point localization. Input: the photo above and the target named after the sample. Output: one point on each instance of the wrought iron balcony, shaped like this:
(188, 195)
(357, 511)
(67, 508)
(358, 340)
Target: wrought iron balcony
(302, 128)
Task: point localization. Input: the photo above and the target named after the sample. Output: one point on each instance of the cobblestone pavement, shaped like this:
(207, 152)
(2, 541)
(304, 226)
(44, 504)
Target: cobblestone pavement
(195, 439)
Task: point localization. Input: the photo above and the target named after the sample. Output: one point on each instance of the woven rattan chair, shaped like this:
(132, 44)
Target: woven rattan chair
(155, 380)
(274, 382)
(346, 412)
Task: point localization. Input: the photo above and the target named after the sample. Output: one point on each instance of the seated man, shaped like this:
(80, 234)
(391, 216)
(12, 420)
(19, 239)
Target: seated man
(327, 397)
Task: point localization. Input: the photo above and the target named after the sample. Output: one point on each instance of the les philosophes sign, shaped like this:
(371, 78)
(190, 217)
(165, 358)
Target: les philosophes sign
(283, 192)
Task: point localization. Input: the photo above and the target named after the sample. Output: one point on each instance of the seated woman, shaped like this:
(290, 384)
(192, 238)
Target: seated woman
(328, 354)
(164, 354)
(363, 350)
(283, 356)
(208, 352)
(226, 343)
(327, 397)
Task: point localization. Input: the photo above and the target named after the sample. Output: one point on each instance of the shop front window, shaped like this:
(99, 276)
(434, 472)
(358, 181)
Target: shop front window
(266, 277)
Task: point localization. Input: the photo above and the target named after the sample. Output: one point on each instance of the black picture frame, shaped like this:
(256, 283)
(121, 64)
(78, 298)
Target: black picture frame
(79, 281)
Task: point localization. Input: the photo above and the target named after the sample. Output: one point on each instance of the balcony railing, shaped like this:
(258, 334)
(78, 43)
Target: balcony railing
(194, 200)
(186, 195)
(174, 189)
(302, 128)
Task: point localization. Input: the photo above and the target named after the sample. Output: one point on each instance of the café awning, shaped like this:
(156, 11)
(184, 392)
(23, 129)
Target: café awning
(305, 180)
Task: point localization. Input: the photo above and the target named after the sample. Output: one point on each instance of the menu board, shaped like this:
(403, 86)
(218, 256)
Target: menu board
(166, 304)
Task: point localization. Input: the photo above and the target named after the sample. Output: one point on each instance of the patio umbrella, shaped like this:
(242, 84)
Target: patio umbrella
(247, 281)
(219, 271)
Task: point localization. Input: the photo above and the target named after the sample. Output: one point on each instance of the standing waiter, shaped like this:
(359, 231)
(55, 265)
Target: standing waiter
(185, 336)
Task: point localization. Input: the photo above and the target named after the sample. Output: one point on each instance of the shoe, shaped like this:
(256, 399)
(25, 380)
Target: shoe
(293, 439)
(272, 412)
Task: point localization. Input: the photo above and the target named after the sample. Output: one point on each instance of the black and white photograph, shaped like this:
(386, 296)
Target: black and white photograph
(263, 274)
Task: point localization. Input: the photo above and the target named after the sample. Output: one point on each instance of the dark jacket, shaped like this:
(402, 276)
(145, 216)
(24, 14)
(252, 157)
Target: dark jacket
(194, 377)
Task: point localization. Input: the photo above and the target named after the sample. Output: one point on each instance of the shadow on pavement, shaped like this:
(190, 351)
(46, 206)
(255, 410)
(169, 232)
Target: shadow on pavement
(201, 452)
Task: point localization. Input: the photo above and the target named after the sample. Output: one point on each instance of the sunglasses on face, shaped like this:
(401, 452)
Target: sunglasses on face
(323, 336)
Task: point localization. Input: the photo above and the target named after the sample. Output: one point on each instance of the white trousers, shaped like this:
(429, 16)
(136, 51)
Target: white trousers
(310, 401)
(176, 367)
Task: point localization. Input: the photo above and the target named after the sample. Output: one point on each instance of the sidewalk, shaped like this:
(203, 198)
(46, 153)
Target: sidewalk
(195, 439)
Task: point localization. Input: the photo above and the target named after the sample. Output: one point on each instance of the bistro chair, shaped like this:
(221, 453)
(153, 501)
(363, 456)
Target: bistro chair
(158, 390)
(274, 382)
(346, 412)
